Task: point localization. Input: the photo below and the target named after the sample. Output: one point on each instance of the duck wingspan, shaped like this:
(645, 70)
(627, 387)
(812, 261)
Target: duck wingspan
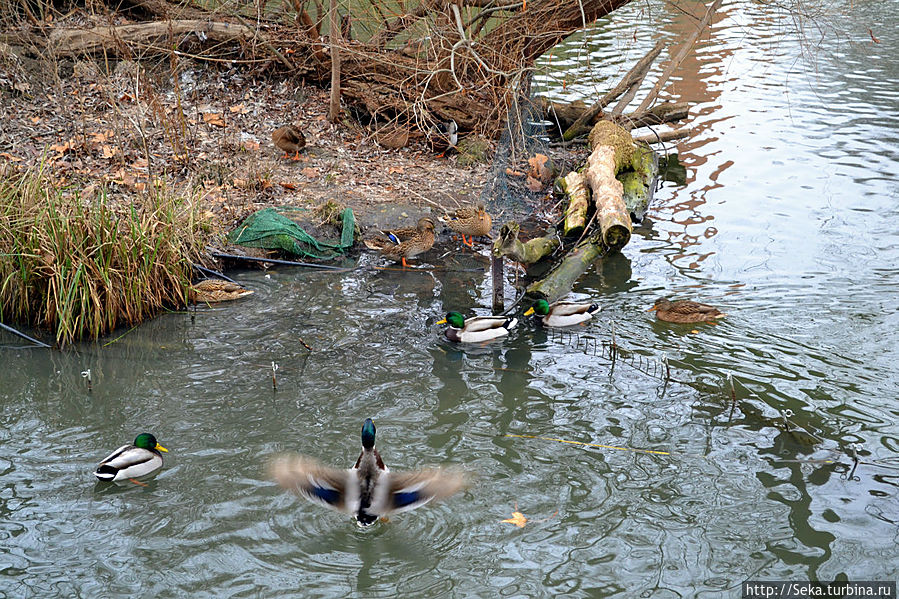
(409, 490)
(309, 479)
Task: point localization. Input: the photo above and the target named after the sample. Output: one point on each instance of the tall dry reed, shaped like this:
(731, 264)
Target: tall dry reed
(82, 268)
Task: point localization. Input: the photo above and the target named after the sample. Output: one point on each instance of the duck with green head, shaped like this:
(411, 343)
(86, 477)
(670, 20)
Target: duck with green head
(132, 461)
(562, 314)
(368, 490)
(477, 329)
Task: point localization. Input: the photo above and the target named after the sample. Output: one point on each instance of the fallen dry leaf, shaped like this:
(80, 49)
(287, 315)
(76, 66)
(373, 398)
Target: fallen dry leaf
(514, 173)
(395, 169)
(287, 185)
(10, 157)
(534, 184)
(101, 136)
(309, 172)
(517, 519)
(214, 118)
(239, 108)
(251, 145)
(108, 151)
(540, 167)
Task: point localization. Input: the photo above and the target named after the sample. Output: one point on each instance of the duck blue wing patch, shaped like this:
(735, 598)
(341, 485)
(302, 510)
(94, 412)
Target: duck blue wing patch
(393, 238)
(401, 500)
(329, 496)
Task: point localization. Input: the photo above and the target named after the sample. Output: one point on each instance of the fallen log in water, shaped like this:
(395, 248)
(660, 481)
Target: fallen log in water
(575, 187)
(508, 244)
(558, 283)
(613, 150)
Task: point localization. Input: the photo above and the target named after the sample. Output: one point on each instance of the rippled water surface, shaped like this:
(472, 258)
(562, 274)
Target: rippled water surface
(788, 220)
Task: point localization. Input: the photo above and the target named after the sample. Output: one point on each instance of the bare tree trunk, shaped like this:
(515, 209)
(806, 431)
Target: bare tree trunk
(334, 35)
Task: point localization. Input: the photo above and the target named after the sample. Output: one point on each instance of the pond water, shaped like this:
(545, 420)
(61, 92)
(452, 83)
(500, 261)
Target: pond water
(786, 221)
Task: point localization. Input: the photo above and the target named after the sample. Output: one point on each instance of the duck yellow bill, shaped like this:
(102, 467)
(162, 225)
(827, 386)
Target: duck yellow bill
(161, 448)
(653, 309)
(529, 311)
(441, 321)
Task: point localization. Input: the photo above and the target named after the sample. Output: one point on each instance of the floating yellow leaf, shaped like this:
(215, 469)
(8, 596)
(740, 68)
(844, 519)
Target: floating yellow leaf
(517, 519)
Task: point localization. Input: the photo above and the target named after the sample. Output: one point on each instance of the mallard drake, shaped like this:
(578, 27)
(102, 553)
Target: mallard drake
(685, 311)
(216, 290)
(290, 139)
(132, 461)
(562, 314)
(470, 220)
(477, 329)
(368, 490)
(444, 136)
(404, 243)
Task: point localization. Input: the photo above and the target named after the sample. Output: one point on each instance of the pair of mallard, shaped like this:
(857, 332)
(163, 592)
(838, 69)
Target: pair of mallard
(369, 490)
(486, 328)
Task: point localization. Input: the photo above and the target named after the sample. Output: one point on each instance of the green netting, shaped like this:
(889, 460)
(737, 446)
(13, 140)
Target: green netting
(270, 229)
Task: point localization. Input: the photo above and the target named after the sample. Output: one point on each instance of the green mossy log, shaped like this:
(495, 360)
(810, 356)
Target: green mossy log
(508, 244)
(558, 283)
(575, 187)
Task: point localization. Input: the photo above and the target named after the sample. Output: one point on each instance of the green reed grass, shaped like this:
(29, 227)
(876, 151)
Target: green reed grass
(82, 268)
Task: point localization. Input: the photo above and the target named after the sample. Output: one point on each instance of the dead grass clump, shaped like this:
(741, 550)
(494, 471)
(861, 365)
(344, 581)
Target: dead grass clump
(81, 269)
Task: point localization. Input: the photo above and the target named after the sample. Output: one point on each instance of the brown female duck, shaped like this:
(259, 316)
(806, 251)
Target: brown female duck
(216, 290)
(290, 139)
(470, 220)
(684, 311)
(404, 243)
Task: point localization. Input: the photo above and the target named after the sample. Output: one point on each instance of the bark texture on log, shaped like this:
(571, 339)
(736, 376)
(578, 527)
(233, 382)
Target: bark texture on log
(558, 283)
(565, 114)
(156, 34)
(575, 187)
(613, 149)
(508, 244)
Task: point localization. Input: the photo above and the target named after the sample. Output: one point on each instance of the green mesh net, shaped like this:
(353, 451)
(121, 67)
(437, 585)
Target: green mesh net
(271, 229)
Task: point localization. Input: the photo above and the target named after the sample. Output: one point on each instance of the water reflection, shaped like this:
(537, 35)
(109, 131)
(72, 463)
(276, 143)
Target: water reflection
(799, 254)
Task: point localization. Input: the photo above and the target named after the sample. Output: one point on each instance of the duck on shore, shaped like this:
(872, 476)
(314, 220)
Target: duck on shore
(409, 242)
(290, 139)
(473, 221)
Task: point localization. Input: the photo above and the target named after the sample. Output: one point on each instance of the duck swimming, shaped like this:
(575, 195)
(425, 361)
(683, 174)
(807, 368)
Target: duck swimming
(369, 490)
(562, 314)
(478, 328)
(685, 311)
(132, 461)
